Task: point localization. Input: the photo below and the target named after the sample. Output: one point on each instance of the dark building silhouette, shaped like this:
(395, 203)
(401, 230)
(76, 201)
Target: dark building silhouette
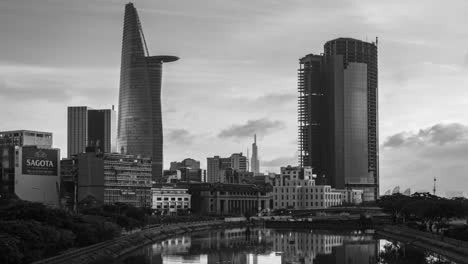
(140, 120)
(338, 115)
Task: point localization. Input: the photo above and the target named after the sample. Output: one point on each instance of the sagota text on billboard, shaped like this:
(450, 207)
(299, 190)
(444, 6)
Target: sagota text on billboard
(40, 161)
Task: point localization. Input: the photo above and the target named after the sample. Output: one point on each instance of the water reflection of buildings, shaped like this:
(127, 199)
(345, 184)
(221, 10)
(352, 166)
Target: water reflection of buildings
(302, 247)
(309, 247)
(217, 246)
(256, 246)
(357, 249)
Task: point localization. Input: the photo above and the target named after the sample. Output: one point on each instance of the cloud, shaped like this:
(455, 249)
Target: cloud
(180, 136)
(280, 162)
(412, 159)
(36, 82)
(437, 134)
(259, 126)
(275, 99)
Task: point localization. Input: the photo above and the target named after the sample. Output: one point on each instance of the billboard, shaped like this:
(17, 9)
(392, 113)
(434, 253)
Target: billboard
(36, 161)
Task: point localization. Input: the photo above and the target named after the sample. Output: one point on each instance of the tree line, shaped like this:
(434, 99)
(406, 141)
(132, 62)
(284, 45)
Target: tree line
(427, 212)
(32, 231)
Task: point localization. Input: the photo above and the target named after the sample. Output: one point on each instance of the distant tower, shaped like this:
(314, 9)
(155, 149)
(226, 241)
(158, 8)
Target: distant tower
(434, 190)
(248, 163)
(254, 163)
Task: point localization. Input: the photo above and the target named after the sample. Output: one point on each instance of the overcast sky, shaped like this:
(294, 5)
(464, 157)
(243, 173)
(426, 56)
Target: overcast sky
(237, 74)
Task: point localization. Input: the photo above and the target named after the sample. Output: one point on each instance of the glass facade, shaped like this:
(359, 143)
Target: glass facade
(355, 124)
(139, 120)
(338, 115)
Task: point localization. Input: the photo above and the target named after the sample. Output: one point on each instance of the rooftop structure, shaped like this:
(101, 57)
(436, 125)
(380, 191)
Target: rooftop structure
(26, 138)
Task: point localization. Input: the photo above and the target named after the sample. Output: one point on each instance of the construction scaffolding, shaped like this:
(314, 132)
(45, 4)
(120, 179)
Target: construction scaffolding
(310, 111)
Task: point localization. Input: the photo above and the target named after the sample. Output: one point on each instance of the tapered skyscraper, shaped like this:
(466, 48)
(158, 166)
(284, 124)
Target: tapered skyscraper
(254, 163)
(140, 120)
(338, 115)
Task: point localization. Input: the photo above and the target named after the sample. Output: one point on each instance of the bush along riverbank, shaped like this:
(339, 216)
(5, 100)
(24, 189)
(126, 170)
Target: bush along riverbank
(32, 231)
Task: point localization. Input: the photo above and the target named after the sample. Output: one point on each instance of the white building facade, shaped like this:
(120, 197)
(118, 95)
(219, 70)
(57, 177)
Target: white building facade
(295, 189)
(170, 200)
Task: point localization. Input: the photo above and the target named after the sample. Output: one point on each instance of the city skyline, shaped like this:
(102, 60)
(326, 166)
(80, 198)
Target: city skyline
(415, 142)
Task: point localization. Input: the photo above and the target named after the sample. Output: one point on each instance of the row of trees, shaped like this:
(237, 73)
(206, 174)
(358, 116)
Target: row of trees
(428, 210)
(32, 231)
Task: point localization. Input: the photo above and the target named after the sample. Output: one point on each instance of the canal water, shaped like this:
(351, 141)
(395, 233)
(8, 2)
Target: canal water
(274, 246)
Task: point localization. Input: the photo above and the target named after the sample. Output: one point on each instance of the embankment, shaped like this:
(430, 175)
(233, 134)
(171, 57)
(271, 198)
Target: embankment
(126, 244)
(455, 250)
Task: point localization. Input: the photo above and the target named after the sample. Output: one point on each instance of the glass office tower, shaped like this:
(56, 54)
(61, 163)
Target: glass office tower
(338, 115)
(140, 119)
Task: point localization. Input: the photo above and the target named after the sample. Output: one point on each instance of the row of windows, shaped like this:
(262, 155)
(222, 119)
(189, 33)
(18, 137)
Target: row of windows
(172, 206)
(172, 199)
(169, 192)
(316, 203)
(294, 189)
(306, 197)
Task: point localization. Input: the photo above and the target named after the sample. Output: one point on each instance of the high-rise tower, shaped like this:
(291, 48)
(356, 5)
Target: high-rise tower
(311, 113)
(254, 163)
(338, 115)
(90, 127)
(140, 120)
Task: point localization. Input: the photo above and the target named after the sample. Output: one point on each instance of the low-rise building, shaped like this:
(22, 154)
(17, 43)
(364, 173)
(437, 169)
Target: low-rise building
(22, 138)
(217, 167)
(170, 200)
(295, 189)
(351, 196)
(230, 199)
(31, 173)
(111, 177)
(186, 163)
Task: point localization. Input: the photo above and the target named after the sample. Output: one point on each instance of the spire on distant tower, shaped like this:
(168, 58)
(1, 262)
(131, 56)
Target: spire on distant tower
(255, 164)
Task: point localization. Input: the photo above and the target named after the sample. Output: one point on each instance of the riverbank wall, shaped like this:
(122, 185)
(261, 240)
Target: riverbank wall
(113, 249)
(455, 250)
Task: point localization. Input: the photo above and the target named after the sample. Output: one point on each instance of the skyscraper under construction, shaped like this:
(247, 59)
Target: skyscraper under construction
(338, 115)
(140, 120)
